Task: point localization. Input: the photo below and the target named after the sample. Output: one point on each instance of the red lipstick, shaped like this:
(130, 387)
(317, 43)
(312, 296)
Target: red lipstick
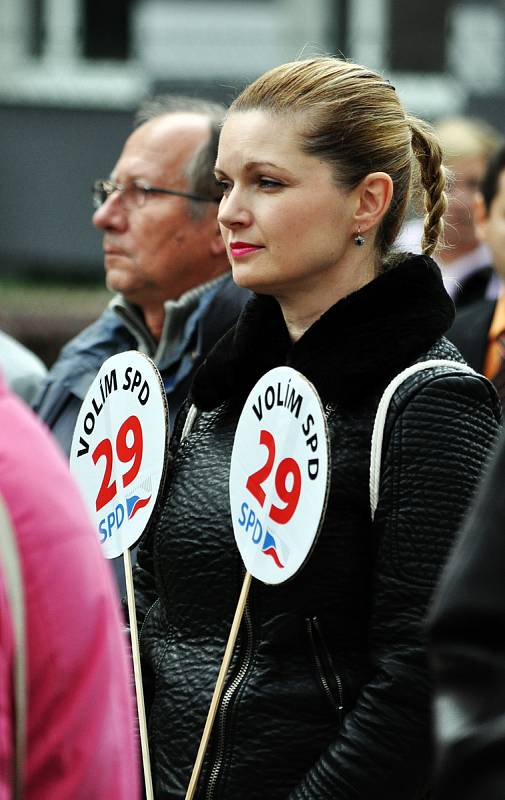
(239, 249)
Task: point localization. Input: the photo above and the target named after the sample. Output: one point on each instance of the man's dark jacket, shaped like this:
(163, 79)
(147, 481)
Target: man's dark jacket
(469, 332)
(474, 287)
(468, 651)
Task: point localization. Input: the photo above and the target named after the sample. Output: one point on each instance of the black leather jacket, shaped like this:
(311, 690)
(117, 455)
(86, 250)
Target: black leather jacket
(467, 624)
(328, 693)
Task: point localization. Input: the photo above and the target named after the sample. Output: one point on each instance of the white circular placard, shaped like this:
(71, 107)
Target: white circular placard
(279, 475)
(118, 448)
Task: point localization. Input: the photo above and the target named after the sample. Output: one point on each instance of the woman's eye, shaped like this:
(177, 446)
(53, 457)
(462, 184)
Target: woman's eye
(223, 185)
(269, 183)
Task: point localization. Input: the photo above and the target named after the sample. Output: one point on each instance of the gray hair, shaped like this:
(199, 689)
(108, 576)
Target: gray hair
(200, 169)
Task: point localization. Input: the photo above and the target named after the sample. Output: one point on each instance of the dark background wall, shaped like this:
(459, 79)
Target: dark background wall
(51, 267)
(50, 157)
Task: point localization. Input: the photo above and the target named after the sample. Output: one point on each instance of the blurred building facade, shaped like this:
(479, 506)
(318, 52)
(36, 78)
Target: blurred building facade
(73, 71)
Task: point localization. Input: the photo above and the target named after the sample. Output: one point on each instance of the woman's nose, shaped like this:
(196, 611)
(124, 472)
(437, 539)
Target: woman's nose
(233, 212)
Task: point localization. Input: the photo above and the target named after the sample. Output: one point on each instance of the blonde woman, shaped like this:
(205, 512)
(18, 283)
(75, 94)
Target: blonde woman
(328, 692)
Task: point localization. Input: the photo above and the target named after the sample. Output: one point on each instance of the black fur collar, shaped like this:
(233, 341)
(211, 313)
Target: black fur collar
(362, 340)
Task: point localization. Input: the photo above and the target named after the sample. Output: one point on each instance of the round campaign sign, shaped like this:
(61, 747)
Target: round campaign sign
(118, 448)
(279, 475)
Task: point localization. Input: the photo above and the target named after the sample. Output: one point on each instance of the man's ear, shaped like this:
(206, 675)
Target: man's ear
(217, 245)
(374, 195)
(480, 217)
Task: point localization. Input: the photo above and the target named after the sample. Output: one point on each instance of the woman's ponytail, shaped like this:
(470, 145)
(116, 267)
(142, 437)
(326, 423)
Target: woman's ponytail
(433, 179)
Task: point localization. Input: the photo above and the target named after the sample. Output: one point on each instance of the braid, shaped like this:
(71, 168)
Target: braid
(433, 178)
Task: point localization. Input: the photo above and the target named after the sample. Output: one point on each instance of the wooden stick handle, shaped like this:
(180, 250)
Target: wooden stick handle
(239, 612)
(138, 675)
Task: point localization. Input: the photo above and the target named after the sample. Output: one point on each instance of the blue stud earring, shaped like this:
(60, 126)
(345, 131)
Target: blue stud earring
(359, 240)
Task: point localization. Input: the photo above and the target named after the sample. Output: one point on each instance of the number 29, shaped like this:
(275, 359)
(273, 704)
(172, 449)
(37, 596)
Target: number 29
(286, 468)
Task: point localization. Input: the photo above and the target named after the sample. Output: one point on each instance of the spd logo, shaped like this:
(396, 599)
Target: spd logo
(270, 545)
(139, 498)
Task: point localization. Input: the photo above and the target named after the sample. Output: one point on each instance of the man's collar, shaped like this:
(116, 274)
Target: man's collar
(454, 273)
(177, 313)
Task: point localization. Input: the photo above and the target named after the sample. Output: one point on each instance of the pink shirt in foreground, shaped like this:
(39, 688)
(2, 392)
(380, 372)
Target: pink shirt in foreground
(81, 733)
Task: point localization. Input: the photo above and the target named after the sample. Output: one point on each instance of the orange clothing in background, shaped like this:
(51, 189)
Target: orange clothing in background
(494, 355)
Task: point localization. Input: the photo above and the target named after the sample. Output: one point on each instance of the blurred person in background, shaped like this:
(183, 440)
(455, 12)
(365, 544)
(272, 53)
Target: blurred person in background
(81, 741)
(22, 369)
(164, 258)
(467, 145)
(467, 641)
(479, 329)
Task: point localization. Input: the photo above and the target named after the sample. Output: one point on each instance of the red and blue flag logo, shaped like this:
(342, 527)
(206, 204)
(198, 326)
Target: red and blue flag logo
(271, 548)
(139, 499)
(135, 503)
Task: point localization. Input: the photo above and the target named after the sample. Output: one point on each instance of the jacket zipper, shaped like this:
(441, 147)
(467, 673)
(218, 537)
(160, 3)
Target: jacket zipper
(232, 689)
(225, 703)
(324, 667)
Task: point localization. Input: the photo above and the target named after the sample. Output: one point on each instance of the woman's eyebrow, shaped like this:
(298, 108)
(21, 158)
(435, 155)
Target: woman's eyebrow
(249, 166)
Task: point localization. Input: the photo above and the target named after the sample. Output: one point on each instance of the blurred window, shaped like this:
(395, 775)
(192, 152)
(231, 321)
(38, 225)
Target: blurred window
(418, 34)
(106, 29)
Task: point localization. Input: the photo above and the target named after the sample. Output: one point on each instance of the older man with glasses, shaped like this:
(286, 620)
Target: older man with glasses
(164, 260)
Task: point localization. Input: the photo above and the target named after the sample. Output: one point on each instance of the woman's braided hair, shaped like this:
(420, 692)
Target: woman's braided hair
(352, 118)
(432, 174)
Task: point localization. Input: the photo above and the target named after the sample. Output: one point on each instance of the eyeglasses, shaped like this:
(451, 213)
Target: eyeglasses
(134, 193)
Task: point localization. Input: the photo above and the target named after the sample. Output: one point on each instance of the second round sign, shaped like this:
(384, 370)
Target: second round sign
(118, 448)
(279, 475)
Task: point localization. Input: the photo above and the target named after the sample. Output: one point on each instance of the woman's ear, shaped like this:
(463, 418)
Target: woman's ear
(374, 198)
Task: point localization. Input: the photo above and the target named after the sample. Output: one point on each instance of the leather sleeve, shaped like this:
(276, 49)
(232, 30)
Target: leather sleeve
(144, 577)
(439, 434)
(143, 574)
(146, 597)
(468, 651)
